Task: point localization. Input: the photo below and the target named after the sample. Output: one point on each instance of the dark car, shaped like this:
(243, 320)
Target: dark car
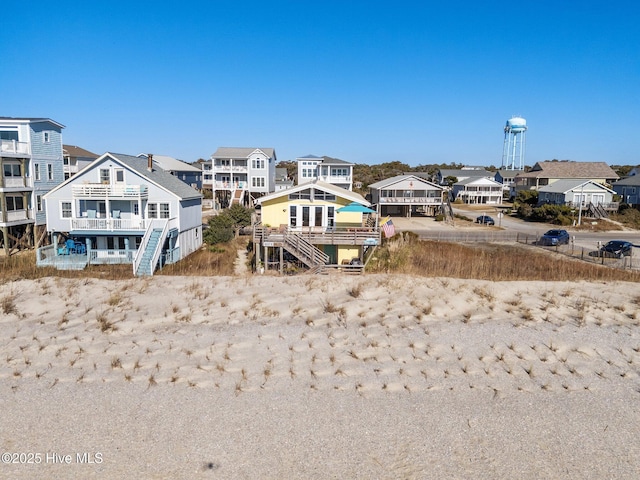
(555, 237)
(614, 249)
(485, 220)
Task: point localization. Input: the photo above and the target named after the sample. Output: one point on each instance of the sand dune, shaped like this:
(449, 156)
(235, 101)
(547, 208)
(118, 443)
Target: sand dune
(379, 376)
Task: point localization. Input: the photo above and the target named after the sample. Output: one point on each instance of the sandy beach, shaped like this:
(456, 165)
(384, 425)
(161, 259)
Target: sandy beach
(374, 376)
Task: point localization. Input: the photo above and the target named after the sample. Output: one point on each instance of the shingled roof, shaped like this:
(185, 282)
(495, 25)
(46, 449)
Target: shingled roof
(74, 151)
(241, 152)
(549, 169)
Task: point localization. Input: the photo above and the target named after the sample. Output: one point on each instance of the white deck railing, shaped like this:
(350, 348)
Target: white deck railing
(12, 146)
(98, 190)
(17, 182)
(108, 224)
(15, 215)
(430, 200)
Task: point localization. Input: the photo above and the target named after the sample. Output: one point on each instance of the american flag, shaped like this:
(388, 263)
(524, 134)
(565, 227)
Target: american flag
(388, 228)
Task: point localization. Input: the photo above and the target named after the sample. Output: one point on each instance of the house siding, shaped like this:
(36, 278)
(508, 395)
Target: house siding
(45, 154)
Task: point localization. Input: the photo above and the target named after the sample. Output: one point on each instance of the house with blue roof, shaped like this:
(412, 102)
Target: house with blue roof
(122, 209)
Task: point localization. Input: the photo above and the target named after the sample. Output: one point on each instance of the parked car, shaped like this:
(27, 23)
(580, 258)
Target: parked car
(555, 237)
(485, 220)
(614, 249)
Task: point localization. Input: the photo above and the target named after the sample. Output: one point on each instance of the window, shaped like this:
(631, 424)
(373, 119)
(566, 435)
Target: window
(302, 195)
(11, 170)
(257, 181)
(38, 203)
(104, 175)
(339, 172)
(9, 135)
(46, 137)
(119, 175)
(164, 210)
(293, 215)
(66, 209)
(331, 217)
(136, 209)
(257, 163)
(49, 171)
(152, 209)
(15, 203)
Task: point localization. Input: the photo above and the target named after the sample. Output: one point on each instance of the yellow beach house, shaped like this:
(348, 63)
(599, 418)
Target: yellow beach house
(317, 226)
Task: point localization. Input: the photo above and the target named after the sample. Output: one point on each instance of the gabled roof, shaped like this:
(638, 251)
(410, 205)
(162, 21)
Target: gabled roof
(507, 172)
(566, 185)
(334, 161)
(387, 182)
(74, 151)
(241, 152)
(548, 169)
(318, 184)
(458, 172)
(156, 176)
(171, 164)
(31, 120)
(632, 181)
(324, 160)
(470, 180)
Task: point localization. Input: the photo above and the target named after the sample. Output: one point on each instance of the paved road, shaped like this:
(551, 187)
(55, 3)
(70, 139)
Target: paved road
(507, 229)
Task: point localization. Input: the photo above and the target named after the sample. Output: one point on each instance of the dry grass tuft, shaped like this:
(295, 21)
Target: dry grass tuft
(485, 261)
(8, 304)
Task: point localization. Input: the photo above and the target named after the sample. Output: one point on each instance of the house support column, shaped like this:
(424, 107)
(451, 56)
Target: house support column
(281, 261)
(256, 247)
(5, 240)
(54, 237)
(88, 241)
(266, 258)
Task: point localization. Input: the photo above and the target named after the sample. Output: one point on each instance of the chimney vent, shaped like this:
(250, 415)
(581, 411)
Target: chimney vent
(150, 162)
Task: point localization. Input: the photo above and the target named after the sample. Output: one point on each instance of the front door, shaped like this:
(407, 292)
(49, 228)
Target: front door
(332, 251)
(597, 198)
(310, 216)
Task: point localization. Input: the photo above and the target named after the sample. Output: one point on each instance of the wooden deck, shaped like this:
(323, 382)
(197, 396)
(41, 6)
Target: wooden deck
(338, 236)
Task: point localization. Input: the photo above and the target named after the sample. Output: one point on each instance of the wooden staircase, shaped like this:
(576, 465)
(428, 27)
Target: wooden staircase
(146, 267)
(596, 211)
(296, 245)
(237, 196)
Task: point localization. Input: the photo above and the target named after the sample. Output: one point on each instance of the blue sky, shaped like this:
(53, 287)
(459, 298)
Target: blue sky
(365, 81)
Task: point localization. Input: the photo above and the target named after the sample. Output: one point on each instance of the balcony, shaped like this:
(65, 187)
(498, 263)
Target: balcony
(334, 179)
(16, 216)
(13, 147)
(419, 200)
(101, 191)
(109, 224)
(229, 168)
(19, 183)
(241, 185)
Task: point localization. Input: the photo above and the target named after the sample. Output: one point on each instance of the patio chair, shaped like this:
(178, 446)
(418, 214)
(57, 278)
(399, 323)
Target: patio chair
(91, 213)
(71, 246)
(80, 247)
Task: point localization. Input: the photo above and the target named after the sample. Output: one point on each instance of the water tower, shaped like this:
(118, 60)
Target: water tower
(514, 140)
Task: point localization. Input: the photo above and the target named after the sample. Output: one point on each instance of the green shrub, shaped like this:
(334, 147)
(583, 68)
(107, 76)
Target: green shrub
(222, 227)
